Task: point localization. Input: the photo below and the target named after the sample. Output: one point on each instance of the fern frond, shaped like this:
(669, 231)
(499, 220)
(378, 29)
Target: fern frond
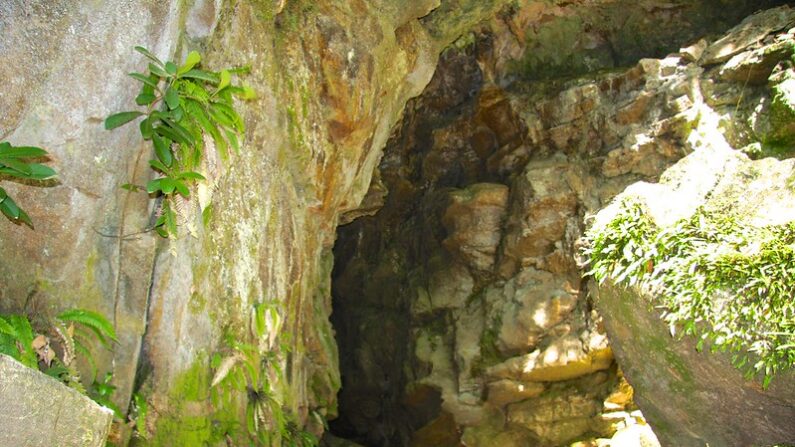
(93, 320)
(80, 347)
(6, 328)
(24, 339)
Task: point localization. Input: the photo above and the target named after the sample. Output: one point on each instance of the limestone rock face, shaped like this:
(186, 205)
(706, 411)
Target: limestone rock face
(490, 182)
(678, 388)
(39, 411)
(333, 80)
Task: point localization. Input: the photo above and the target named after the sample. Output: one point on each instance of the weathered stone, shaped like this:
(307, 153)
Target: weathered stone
(755, 66)
(505, 391)
(636, 435)
(39, 411)
(556, 419)
(750, 32)
(529, 305)
(450, 287)
(566, 358)
(693, 52)
(540, 209)
(441, 432)
(473, 221)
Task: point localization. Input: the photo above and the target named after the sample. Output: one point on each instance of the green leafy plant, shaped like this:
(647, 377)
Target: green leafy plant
(248, 370)
(70, 333)
(102, 393)
(727, 282)
(183, 104)
(140, 409)
(15, 162)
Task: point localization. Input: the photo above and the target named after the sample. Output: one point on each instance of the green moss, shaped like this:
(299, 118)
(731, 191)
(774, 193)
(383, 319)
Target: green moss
(489, 352)
(720, 279)
(182, 424)
(781, 117)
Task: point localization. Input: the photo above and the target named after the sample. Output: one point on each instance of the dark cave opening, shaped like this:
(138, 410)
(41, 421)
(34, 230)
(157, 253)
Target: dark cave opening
(380, 259)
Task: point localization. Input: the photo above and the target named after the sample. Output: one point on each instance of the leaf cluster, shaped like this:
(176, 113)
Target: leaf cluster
(726, 282)
(15, 162)
(248, 370)
(182, 104)
(72, 332)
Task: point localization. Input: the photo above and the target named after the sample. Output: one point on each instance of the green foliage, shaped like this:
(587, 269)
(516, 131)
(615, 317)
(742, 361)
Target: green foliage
(72, 331)
(140, 409)
(102, 393)
(16, 339)
(183, 105)
(726, 282)
(249, 371)
(14, 162)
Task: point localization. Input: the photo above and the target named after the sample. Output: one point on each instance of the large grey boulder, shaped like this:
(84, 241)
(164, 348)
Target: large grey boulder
(38, 411)
(695, 398)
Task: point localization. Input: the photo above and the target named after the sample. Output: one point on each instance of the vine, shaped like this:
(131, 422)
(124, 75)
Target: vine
(725, 281)
(183, 105)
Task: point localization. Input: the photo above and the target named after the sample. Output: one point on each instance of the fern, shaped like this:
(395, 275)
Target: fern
(16, 339)
(97, 323)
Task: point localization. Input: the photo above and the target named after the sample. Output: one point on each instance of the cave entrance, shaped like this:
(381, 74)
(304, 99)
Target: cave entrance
(459, 308)
(381, 263)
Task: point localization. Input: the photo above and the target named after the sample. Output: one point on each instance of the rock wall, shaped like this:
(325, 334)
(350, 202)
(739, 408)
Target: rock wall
(332, 80)
(460, 309)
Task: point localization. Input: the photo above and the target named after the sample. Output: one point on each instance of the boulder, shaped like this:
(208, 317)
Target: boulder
(693, 398)
(39, 411)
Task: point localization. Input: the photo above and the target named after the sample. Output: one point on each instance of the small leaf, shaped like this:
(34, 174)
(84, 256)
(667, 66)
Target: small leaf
(190, 175)
(146, 128)
(24, 218)
(171, 134)
(157, 71)
(41, 172)
(181, 188)
(172, 98)
(153, 186)
(202, 75)
(9, 208)
(120, 119)
(190, 61)
(16, 165)
(148, 54)
(224, 367)
(163, 149)
(144, 99)
(158, 165)
(766, 381)
(226, 78)
(130, 187)
(147, 80)
(171, 68)
(8, 151)
(171, 219)
(245, 92)
(167, 185)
